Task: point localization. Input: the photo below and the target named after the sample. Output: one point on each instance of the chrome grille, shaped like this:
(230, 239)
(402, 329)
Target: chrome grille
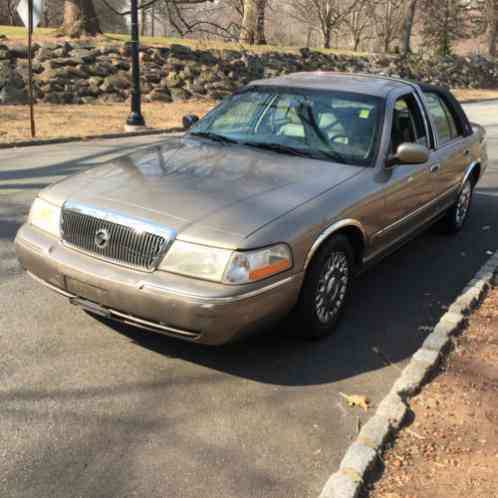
(114, 237)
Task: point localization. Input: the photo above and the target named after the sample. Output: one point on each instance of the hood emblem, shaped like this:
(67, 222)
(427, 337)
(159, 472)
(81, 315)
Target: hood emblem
(102, 238)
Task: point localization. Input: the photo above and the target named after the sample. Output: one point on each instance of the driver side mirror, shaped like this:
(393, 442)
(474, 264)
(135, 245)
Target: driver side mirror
(189, 121)
(409, 153)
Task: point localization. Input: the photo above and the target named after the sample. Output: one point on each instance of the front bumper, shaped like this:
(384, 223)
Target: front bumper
(190, 309)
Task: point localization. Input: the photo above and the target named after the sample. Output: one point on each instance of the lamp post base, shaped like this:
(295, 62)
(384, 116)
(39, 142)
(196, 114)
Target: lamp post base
(134, 128)
(135, 121)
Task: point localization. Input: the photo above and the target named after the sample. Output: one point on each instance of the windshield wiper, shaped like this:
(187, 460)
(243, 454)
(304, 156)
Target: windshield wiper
(331, 154)
(276, 147)
(286, 149)
(214, 137)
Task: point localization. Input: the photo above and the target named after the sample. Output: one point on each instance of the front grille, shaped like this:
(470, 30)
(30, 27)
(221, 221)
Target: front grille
(116, 242)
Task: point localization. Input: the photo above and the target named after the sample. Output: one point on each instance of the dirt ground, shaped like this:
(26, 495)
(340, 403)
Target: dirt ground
(466, 94)
(450, 449)
(57, 121)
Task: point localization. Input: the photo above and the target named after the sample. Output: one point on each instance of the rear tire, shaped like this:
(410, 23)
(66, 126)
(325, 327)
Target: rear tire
(326, 289)
(457, 215)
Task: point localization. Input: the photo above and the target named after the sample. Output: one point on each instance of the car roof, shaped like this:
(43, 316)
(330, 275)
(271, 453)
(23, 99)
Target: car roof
(365, 84)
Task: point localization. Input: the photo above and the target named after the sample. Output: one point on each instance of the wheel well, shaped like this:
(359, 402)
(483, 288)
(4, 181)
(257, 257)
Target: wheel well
(355, 236)
(475, 174)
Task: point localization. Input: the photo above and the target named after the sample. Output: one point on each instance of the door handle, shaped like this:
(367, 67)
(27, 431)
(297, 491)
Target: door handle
(435, 168)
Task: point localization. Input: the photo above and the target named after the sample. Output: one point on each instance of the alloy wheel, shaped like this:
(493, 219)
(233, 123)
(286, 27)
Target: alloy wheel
(332, 287)
(463, 204)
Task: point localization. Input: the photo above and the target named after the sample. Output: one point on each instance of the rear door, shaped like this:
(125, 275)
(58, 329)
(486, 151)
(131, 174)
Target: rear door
(452, 155)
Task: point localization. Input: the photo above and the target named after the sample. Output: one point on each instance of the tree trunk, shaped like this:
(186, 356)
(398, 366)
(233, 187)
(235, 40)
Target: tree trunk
(259, 37)
(406, 35)
(80, 19)
(90, 19)
(248, 28)
(143, 22)
(356, 42)
(72, 18)
(327, 38)
(492, 32)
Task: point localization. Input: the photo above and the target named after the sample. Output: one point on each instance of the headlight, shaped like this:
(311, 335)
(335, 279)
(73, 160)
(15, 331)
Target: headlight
(45, 216)
(245, 267)
(221, 265)
(196, 261)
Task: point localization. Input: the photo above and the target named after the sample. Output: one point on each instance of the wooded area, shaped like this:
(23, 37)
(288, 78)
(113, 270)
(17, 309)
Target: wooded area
(382, 26)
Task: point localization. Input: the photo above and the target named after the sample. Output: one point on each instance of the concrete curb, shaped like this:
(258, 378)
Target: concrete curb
(362, 455)
(107, 136)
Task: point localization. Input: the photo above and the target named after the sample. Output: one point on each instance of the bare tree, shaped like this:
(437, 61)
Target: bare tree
(491, 10)
(358, 24)
(259, 35)
(249, 20)
(444, 23)
(406, 35)
(387, 17)
(326, 15)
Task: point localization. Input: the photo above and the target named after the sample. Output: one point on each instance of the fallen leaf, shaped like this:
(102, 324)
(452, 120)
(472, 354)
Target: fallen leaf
(356, 400)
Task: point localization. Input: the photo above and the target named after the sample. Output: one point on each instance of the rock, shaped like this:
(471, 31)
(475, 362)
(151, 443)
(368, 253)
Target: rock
(152, 76)
(113, 98)
(173, 80)
(83, 55)
(19, 52)
(59, 98)
(179, 94)
(117, 82)
(181, 51)
(5, 53)
(102, 69)
(12, 95)
(121, 64)
(159, 95)
(88, 100)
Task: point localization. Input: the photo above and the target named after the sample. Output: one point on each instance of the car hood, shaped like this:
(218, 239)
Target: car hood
(209, 193)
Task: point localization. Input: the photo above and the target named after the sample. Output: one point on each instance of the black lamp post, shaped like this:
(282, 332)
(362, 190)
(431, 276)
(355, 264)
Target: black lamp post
(135, 119)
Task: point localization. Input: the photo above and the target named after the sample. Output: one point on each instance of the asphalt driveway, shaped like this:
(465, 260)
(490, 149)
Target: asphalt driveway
(93, 410)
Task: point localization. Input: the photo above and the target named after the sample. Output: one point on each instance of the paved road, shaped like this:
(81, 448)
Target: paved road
(91, 410)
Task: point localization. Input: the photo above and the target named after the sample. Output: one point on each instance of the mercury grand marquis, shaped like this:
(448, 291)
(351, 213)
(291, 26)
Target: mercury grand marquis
(267, 207)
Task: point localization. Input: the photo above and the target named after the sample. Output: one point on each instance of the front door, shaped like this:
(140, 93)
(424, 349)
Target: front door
(409, 191)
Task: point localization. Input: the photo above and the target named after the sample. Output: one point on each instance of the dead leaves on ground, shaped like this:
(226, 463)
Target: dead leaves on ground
(354, 400)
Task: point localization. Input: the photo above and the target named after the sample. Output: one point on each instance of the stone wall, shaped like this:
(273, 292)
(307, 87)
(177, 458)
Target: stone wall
(76, 73)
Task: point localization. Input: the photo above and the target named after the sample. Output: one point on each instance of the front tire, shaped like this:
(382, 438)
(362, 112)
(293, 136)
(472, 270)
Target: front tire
(457, 215)
(326, 289)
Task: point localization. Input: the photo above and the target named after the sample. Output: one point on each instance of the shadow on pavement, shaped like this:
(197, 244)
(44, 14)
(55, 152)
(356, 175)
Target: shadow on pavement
(395, 306)
(61, 169)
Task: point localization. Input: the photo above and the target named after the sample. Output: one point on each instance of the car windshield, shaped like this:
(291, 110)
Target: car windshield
(336, 126)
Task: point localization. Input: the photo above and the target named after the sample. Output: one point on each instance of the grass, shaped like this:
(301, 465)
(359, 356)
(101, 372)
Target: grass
(59, 121)
(18, 34)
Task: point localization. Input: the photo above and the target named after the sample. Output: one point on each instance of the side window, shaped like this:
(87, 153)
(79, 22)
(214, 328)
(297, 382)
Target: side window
(443, 118)
(408, 124)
